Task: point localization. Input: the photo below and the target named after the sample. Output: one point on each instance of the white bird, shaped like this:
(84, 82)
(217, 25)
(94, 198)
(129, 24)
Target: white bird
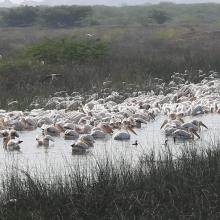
(83, 144)
(14, 144)
(195, 124)
(98, 134)
(70, 135)
(51, 130)
(44, 140)
(79, 147)
(88, 139)
(184, 135)
(121, 135)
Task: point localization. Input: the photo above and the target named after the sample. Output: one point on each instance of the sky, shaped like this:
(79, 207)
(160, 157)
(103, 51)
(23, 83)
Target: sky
(117, 2)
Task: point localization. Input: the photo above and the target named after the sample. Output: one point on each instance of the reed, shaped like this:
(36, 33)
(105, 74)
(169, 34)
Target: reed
(158, 187)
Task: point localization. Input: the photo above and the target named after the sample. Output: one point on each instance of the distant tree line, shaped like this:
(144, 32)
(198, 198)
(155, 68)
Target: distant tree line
(60, 16)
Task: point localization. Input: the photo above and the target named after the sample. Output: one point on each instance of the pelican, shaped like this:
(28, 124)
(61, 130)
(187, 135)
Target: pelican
(106, 128)
(79, 147)
(3, 124)
(9, 135)
(97, 133)
(14, 144)
(6, 138)
(70, 135)
(51, 130)
(199, 123)
(44, 140)
(120, 136)
(182, 134)
(83, 144)
(87, 139)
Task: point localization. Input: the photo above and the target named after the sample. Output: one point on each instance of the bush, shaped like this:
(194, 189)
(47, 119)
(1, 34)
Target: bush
(159, 16)
(65, 16)
(66, 50)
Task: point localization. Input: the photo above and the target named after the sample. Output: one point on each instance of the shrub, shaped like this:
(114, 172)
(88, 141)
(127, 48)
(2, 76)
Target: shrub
(66, 50)
(64, 16)
(159, 16)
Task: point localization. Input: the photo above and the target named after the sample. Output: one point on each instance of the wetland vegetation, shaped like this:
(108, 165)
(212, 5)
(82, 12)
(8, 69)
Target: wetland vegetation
(162, 187)
(130, 47)
(130, 43)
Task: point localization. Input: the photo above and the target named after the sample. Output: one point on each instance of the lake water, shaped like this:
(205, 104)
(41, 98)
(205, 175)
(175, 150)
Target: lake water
(58, 156)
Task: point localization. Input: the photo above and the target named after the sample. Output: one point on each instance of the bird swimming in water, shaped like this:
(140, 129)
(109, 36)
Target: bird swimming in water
(135, 143)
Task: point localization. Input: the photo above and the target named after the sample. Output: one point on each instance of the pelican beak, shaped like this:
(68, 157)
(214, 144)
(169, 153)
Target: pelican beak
(50, 138)
(16, 134)
(108, 129)
(181, 120)
(131, 130)
(164, 123)
(194, 132)
(152, 116)
(203, 125)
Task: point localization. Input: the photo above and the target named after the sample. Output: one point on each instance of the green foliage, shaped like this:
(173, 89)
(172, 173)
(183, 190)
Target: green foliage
(66, 50)
(159, 187)
(159, 16)
(21, 16)
(64, 16)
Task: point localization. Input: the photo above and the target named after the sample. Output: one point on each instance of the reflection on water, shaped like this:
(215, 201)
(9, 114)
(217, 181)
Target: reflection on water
(58, 156)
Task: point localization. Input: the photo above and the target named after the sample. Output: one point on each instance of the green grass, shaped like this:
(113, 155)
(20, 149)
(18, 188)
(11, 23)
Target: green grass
(161, 187)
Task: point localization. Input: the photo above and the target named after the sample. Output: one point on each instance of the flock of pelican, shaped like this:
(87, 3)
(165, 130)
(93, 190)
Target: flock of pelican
(99, 117)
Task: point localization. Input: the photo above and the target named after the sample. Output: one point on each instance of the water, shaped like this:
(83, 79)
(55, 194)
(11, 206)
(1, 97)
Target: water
(58, 158)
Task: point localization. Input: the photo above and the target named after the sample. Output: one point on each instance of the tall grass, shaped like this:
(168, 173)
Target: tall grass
(159, 187)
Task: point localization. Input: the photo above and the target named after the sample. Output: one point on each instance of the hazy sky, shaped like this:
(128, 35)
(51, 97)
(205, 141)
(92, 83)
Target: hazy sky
(117, 2)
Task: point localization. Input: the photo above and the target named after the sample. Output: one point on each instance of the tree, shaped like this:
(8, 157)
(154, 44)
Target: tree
(21, 16)
(62, 16)
(159, 16)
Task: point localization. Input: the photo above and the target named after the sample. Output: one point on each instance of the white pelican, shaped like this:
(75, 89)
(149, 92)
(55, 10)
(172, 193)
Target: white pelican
(51, 130)
(182, 134)
(14, 144)
(70, 135)
(44, 140)
(82, 144)
(79, 147)
(97, 133)
(9, 135)
(199, 123)
(120, 136)
(88, 139)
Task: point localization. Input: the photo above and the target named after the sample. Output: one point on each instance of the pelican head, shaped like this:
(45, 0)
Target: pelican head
(164, 123)
(193, 132)
(199, 124)
(14, 134)
(87, 139)
(172, 116)
(202, 124)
